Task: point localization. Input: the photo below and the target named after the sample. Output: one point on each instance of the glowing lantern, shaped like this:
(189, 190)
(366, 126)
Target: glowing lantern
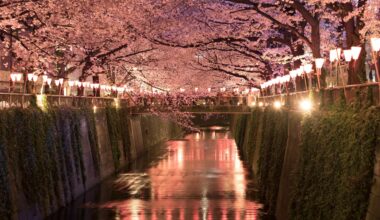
(375, 43)
(35, 78)
(48, 81)
(319, 63)
(71, 83)
(333, 55)
(355, 51)
(347, 55)
(30, 76)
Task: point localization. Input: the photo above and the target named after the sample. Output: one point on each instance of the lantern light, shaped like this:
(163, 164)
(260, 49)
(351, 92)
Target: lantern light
(319, 63)
(277, 104)
(196, 89)
(48, 80)
(44, 78)
(347, 55)
(35, 78)
(293, 74)
(71, 83)
(306, 105)
(56, 82)
(13, 77)
(356, 52)
(333, 55)
(308, 68)
(338, 53)
(209, 89)
(61, 81)
(375, 43)
(30, 76)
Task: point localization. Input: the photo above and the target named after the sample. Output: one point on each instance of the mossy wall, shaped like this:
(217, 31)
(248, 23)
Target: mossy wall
(48, 158)
(313, 166)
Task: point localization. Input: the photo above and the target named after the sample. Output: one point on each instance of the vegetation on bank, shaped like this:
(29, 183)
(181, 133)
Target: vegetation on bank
(41, 153)
(335, 170)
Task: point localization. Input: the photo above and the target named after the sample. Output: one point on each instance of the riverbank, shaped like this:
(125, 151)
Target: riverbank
(320, 165)
(49, 158)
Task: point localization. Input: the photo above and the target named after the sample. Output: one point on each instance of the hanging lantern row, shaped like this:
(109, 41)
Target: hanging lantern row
(348, 55)
(307, 68)
(335, 55)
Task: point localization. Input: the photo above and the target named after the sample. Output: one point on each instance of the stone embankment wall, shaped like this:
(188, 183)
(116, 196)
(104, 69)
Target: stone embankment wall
(320, 165)
(49, 158)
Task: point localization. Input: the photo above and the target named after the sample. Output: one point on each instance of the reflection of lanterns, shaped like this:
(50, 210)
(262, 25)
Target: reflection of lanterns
(347, 55)
(355, 51)
(375, 43)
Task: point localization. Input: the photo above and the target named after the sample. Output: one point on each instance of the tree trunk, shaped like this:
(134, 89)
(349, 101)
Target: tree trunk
(316, 40)
(356, 71)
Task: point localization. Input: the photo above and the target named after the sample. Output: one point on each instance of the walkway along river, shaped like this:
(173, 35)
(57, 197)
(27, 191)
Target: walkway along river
(198, 177)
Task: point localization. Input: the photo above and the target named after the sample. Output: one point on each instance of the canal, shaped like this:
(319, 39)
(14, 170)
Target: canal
(198, 177)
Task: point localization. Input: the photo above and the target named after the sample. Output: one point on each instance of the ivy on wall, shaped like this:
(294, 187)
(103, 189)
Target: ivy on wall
(335, 172)
(272, 152)
(41, 154)
(114, 131)
(336, 166)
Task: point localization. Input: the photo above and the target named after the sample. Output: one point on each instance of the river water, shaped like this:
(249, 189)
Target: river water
(200, 177)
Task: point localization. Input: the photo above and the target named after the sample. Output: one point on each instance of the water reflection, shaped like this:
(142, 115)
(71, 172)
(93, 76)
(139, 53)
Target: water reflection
(200, 177)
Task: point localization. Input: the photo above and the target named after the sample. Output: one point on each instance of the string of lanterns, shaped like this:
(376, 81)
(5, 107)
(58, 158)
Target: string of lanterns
(335, 57)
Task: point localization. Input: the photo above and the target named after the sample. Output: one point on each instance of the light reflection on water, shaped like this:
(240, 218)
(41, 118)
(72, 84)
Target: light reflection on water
(201, 177)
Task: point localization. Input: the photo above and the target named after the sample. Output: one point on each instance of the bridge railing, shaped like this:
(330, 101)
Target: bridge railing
(364, 92)
(8, 100)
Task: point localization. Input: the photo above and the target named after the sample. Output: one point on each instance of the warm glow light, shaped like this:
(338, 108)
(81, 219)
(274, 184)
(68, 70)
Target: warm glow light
(35, 78)
(306, 105)
(333, 55)
(56, 82)
(13, 77)
(48, 81)
(319, 63)
(277, 104)
(293, 74)
(30, 76)
(261, 104)
(356, 52)
(71, 83)
(209, 89)
(308, 68)
(196, 89)
(44, 78)
(375, 43)
(347, 55)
